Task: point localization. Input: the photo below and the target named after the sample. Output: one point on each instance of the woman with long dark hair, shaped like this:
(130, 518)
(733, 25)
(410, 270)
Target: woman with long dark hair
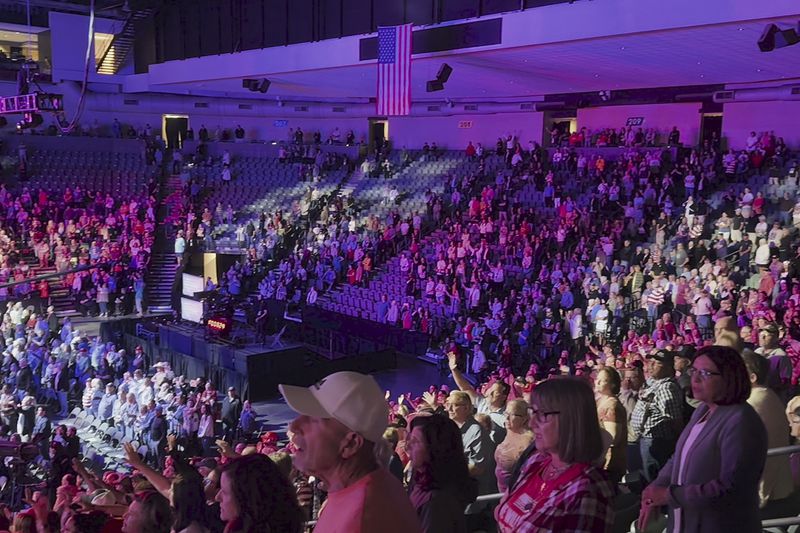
(255, 497)
(440, 483)
(149, 512)
(188, 501)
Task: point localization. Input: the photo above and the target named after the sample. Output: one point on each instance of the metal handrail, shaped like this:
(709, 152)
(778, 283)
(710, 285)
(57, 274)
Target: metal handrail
(783, 450)
(125, 26)
(781, 522)
(772, 452)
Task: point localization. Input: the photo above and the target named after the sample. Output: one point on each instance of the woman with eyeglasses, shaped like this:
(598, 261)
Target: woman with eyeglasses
(711, 482)
(518, 437)
(558, 488)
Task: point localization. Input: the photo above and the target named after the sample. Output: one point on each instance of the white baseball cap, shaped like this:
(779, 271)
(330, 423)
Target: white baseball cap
(353, 399)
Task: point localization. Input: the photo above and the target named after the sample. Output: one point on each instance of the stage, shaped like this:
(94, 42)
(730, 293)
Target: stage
(254, 369)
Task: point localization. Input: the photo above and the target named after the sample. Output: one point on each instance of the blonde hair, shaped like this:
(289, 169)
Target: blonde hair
(461, 396)
(518, 407)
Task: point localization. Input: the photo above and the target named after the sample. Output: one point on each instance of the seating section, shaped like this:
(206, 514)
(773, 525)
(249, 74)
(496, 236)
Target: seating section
(124, 174)
(259, 185)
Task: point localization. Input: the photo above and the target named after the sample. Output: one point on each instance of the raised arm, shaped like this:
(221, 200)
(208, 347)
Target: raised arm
(159, 482)
(461, 381)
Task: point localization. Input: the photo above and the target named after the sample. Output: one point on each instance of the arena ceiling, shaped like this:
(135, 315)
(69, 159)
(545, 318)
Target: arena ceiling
(712, 54)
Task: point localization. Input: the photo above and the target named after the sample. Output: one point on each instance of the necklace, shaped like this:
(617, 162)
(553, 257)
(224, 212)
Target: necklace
(550, 473)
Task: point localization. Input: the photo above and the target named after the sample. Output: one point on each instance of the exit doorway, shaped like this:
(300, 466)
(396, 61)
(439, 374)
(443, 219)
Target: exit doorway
(711, 128)
(173, 130)
(378, 133)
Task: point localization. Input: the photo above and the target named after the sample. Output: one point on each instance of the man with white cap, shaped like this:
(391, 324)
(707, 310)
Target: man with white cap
(340, 428)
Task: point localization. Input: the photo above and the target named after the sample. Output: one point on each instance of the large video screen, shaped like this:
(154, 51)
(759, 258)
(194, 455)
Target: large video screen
(191, 310)
(192, 284)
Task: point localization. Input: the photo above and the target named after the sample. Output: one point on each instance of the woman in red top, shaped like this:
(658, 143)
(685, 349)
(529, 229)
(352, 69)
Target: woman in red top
(44, 292)
(558, 488)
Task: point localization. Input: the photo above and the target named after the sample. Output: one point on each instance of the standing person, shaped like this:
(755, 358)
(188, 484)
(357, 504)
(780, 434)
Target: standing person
(180, 247)
(102, 299)
(518, 437)
(478, 447)
(632, 382)
(138, 289)
(657, 419)
(776, 483)
(205, 429)
(341, 424)
(493, 404)
(711, 483)
(149, 512)
(157, 439)
(780, 366)
(612, 418)
(231, 411)
(440, 486)
(558, 488)
(255, 497)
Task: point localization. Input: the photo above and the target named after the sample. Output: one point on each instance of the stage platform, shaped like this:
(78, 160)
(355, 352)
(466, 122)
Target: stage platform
(254, 369)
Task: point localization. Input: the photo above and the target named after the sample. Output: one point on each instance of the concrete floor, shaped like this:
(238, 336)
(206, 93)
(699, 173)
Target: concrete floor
(411, 375)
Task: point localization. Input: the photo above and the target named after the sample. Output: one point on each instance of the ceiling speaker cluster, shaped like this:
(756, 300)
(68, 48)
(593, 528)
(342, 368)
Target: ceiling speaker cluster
(441, 78)
(256, 85)
(774, 37)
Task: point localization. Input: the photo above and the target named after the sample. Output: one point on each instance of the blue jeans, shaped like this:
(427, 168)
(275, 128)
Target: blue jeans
(655, 452)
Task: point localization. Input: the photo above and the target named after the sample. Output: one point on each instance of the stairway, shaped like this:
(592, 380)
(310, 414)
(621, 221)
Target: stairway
(160, 277)
(121, 45)
(60, 297)
(162, 268)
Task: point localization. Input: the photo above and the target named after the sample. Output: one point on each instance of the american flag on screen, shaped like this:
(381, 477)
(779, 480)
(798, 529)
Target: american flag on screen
(394, 70)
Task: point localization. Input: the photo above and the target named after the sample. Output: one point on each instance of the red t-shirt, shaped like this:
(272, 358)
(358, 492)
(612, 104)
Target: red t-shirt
(375, 503)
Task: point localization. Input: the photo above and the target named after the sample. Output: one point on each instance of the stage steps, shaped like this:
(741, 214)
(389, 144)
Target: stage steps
(163, 265)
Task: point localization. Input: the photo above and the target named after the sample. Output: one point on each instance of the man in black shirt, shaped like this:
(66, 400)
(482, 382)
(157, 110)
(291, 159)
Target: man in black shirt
(231, 410)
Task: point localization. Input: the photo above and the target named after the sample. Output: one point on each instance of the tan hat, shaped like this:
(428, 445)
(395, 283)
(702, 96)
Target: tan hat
(353, 399)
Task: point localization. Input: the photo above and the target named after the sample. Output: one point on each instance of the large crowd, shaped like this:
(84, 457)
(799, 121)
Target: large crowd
(627, 350)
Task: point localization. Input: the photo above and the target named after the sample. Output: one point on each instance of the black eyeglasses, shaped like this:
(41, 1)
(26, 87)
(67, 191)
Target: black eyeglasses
(701, 373)
(541, 416)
